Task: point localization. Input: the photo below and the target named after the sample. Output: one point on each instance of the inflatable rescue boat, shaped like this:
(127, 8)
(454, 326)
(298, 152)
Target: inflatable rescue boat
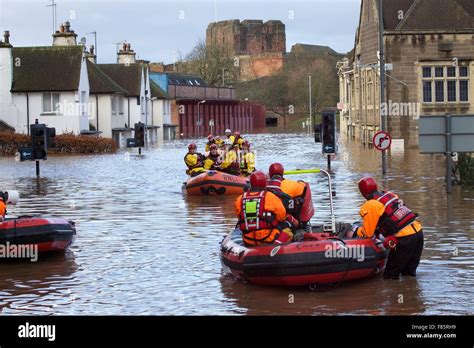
(319, 258)
(215, 183)
(48, 234)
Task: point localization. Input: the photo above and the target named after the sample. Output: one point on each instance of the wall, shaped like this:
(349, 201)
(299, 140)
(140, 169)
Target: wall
(69, 121)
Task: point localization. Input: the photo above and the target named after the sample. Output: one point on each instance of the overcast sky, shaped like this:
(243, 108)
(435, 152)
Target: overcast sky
(159, 30)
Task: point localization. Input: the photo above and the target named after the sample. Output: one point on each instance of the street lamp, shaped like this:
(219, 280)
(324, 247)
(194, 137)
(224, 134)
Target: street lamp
(199, 119)
(310, 103)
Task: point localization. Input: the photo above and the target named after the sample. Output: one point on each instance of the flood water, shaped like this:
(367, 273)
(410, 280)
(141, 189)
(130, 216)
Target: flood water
(143, 247)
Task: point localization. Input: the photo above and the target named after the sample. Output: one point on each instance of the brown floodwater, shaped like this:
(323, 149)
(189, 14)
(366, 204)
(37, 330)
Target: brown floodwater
(143, 247)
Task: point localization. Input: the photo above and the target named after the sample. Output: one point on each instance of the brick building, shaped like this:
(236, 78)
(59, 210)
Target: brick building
(198, 109)
(429, 51)
(259, 47)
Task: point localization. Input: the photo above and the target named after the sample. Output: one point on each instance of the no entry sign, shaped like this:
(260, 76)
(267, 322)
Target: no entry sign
(382, 141)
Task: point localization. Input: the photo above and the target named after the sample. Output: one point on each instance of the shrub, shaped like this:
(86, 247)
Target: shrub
(64, 143)
(465, 167)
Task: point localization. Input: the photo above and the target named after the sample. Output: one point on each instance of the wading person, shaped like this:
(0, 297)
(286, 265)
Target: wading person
(194, 161)
(262, 216)
(384, 213)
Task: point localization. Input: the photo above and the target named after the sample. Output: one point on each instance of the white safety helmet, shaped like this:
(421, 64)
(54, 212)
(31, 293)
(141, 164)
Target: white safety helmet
(228, 131)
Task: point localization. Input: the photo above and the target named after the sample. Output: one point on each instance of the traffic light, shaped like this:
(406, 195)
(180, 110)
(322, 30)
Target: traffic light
(51, 133)
(328, 130)
(39, 141)
(139, 134)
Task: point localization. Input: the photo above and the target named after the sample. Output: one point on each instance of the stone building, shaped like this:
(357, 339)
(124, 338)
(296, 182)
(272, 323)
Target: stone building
(429, 52)
(259, 47)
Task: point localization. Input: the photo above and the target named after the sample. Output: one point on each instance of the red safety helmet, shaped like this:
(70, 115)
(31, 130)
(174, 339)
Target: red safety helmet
(258, 180)
(367, 186)
(192, 146)
(276, 169)
(210, 137)
(213, 147)
(237, 133)
(246, 143)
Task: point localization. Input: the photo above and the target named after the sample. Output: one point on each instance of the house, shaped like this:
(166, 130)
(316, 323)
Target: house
(161, 112)
(197, 109)
(429, 55)
(108, 115)
(62, 86)
(133, 77)
(45, 83)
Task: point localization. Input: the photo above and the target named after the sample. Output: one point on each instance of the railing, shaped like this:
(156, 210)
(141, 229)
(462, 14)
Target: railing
(201, 92)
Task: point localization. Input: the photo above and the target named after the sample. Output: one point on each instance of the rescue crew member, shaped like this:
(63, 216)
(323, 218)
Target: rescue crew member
(3, 205)
(289, 191)
(213, 161)
(229, 136)
(238, 140)
(231, 163)
(247, 159)
(261, 214)
(194, 161)
(211, 139)
(384, 213)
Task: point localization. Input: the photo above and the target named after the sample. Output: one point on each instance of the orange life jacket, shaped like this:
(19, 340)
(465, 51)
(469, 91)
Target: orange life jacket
(274, 186)
(396, 215)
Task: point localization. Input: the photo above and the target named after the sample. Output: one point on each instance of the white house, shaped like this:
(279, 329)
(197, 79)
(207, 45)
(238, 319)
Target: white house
(46, 83)
(63, 87)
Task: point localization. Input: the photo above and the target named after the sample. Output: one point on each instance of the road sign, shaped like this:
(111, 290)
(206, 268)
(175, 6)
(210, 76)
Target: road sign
(434, 136)
(211, 123)
(382, 141)
(26, 154)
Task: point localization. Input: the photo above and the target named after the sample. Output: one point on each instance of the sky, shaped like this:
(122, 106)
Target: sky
(164, 30)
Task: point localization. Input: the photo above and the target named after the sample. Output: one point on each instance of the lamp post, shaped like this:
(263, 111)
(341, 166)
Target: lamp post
(310, 104)
(199, 119)
(383, 116)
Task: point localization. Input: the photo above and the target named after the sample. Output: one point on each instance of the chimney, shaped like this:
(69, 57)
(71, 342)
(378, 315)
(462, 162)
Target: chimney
(6, 37)
(91, 54)
(65, 36)
(126, 55)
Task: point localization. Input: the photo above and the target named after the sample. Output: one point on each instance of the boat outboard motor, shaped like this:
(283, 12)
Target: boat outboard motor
(10, 197)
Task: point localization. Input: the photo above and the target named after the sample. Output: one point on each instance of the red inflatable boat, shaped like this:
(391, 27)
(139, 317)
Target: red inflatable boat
(320, 258)
(215, 183)
(48, 234)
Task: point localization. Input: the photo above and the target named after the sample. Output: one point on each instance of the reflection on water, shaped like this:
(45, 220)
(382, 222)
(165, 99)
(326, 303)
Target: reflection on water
(144, 247)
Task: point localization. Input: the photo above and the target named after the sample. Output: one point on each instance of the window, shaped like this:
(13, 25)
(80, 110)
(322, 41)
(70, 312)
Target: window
(439, 91)
(426, 71)
(427, 96)
(120, 104)
(452, 91)
(448, 85)
(451, 71)
(114, 102)
(51, 103)
(464, 90)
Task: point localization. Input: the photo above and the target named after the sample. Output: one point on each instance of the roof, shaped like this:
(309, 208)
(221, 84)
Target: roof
(100, 83)
(157, 92)
(127, 76)
(185, 80)
(429, 15)
(50, 68)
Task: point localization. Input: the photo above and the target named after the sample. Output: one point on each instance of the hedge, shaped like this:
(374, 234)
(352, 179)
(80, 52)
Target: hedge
(64, 143)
